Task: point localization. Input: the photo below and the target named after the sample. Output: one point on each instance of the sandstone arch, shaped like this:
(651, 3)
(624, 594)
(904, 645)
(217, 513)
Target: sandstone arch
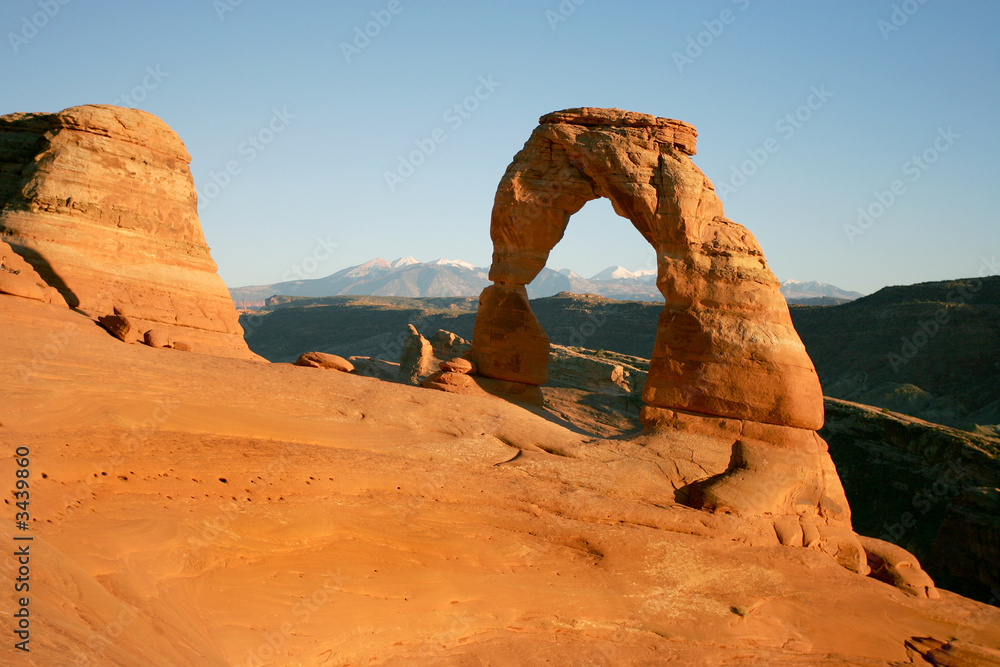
(725, 344)
(727, 365)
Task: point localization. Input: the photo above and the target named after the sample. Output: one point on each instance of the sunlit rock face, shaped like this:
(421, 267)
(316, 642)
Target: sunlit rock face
(725, 344)
(101, 202)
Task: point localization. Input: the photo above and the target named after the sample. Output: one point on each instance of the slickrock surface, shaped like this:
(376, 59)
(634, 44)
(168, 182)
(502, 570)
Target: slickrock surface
(100, 201)
(209, 511)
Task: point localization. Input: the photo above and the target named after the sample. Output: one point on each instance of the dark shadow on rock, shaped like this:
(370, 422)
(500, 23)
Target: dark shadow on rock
(47, 273)
(691, 494)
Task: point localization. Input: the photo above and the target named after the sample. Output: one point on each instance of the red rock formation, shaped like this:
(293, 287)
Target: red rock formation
(19, 278)
(725, 345)
(324, 360)
(727, 361)
(100, 201)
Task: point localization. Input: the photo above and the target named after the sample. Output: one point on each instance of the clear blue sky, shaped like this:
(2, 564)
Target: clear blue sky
(887, 94)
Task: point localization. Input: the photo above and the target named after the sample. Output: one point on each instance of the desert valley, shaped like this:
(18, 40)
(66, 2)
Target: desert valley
(454, 481)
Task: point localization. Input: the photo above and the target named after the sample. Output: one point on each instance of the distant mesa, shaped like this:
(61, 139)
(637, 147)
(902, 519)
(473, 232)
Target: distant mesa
(100, 202)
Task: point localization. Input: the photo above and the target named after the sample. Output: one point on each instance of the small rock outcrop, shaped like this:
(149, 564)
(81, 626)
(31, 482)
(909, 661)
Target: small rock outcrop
(324, 360)
(417, 358)
(954, 653)
(100, 201)
(118, 326)
(896, 566)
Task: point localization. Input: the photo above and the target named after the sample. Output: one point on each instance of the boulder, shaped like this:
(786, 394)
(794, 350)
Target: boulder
(118, 326)
(100, 201)
(156, 338)
(458, 383)
(458, 365)
(324, 360)
(417, 358)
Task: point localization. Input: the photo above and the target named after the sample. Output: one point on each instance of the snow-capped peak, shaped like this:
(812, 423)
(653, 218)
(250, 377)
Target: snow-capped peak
(614, 273)
(570, 273)
(377, 264)
(403, 261)
(453, 262)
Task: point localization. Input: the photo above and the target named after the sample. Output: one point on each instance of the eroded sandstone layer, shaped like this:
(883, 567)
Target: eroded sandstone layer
(727, 362)
(101, 202)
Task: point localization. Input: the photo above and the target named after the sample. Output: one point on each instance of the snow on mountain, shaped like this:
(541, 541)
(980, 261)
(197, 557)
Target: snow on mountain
(410, 277)
(362, 270)
(621, 273)
(645, 275)
(452, 262)
(614, 273)
(403, 261)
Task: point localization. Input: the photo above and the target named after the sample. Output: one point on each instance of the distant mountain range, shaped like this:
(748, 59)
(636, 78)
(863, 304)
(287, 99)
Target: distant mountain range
(796, 291)
(408, 277)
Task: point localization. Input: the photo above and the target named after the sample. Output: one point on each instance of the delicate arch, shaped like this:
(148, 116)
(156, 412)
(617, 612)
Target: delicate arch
(725, 344)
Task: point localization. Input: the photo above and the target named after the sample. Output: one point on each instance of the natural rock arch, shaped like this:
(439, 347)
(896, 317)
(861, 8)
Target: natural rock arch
(728, 374)
(725, 343)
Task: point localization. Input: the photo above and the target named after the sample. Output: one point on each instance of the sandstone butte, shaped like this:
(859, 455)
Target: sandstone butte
(99, 200)
(207, 509)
